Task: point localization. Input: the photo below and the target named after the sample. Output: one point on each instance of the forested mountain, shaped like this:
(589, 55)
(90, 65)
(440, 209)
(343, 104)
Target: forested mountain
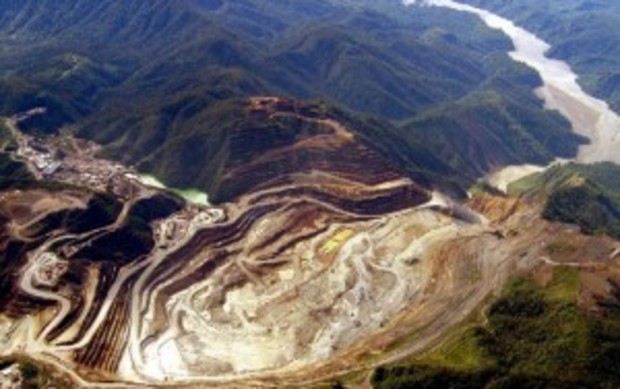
(249, 47)
(585, 33)
(152, 81)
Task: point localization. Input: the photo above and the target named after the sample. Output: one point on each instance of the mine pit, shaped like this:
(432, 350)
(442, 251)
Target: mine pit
(298, 272)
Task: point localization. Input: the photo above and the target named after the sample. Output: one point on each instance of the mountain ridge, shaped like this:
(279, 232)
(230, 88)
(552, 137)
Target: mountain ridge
(159, 80)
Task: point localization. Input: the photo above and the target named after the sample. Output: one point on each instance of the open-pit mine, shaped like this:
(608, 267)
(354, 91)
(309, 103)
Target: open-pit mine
(318, 266)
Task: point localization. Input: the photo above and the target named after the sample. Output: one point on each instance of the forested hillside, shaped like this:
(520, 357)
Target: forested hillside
(156, 82)
(585, 195)
(585, 33)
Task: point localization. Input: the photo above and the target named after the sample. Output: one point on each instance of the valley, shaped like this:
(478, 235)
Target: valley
(590, 117)
(583, 33)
